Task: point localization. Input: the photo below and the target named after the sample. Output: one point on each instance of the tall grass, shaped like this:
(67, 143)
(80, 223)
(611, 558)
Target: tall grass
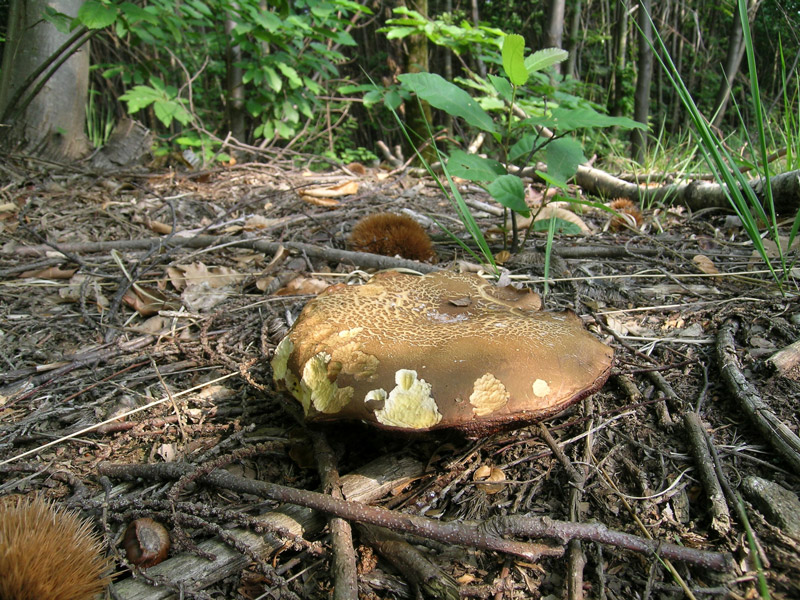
(743, 200)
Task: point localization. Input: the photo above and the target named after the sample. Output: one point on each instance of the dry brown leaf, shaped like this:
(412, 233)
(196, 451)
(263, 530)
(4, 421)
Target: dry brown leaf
(147, 301)
(302, 286)
(491, 474)
(49, 273)
(155, 325)
(198, 273)
(348, 188)
(158, 226)
(256, 222)
(705, 264)
(263, 283)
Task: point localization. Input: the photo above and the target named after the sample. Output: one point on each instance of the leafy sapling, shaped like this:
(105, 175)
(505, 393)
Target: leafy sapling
(520, 138)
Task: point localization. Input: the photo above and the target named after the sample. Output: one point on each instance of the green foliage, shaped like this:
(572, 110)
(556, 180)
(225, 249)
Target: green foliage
(166, 103)
(741, 195)
(520, 140)
(99, 121)
(288, 54)
(461, 39)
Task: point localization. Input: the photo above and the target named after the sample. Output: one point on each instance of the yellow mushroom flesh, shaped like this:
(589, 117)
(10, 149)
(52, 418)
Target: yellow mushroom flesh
(442, 350)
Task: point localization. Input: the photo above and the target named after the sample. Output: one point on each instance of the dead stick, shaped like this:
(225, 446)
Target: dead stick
(486, 535)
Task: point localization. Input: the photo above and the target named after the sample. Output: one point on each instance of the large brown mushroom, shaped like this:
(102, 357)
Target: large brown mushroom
(445, 350)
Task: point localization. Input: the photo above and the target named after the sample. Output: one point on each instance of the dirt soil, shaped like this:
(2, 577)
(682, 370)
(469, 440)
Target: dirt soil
(122, 359)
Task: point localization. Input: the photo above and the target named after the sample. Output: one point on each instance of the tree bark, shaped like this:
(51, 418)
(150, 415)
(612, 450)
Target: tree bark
(233, 80)
(641, 109)
(554, 30)
(573, 35)
(733, 60)
(620, 58)
(52, 124)
(418, 113)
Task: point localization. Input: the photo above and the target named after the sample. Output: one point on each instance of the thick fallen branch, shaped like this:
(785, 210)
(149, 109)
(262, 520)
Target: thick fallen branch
(775, 431)
(488, 535)
(361, 259)
(695, 195)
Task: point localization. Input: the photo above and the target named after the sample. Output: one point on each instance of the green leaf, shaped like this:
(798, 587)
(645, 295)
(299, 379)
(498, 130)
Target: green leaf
(513, 61)
(400, 32)
(452, 99)
(254, 108)
(502, 85)
(561, 226)
(509, 191)
(563, 157)
(523, 147)
(63, 23)
(95, 15)
(168, 110)
(291, 74)
(568, 119)
(135, 14)
(391, 100)
(473, 167)
(273, 79)
(541, 59)
(139, 97)
(553, 181)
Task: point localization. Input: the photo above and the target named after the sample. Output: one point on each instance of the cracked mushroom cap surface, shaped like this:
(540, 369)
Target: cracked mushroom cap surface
(444, 350)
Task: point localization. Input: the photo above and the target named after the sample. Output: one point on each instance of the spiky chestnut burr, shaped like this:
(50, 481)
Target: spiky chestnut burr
(48, 552)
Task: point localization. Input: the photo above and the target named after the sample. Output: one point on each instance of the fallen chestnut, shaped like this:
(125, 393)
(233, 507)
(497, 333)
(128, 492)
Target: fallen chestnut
(146, 542)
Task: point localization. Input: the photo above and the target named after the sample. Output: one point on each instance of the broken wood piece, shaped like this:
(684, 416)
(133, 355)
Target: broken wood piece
(787, 361)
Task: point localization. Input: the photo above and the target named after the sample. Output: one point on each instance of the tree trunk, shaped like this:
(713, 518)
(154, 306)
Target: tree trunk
(554, 30)
(476, 22)
(641, 108)
(418, 113)
(620, 58)
(52, 125)
(732, 61)
(573, 35)
(233, 81)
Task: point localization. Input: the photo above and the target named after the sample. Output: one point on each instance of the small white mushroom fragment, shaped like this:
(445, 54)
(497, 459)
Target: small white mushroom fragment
(445, 350)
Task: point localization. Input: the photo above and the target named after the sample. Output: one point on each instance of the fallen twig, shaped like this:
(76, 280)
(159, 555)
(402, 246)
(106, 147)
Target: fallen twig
(488, 535)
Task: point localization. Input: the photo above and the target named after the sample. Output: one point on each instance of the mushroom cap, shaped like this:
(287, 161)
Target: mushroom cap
(445, 350)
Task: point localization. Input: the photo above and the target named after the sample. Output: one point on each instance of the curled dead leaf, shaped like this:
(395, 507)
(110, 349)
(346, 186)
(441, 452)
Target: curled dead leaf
(489, 474)
(332, 191)
(324, 202)
(147, 301)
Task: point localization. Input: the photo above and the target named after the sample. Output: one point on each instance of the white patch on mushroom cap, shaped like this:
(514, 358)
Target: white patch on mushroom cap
(408, 405)
(319, 390)
(488, 395)
(541, 388)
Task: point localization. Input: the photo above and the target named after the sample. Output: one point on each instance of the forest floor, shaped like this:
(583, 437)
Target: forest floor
(165, 294)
